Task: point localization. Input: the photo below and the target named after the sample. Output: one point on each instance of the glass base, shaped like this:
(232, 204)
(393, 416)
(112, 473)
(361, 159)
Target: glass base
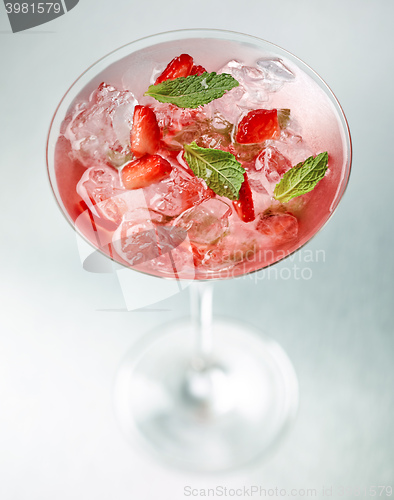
(206, 415)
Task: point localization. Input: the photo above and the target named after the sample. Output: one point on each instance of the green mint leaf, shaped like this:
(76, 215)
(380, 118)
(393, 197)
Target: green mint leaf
(194, 90)
(219, 169)
(302, 178)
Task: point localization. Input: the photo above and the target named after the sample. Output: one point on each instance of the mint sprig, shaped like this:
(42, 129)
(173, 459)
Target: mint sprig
(219, 169)
(194, 90)
(302, 178)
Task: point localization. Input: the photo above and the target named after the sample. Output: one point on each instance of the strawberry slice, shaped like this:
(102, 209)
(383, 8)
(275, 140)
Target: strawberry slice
(179, 66)
(198, 70)
(244, 205)
(145, 132)
(144, 171)
(258, 126)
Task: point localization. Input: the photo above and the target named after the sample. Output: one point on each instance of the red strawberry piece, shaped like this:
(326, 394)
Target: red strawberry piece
(258, 126)
(198, 70)
(145, 132)
(280, 226)
(179, 66)
(244, 205)
(145, 171)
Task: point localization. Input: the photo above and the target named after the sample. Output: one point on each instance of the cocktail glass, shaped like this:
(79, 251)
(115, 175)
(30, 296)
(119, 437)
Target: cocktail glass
(206, 394)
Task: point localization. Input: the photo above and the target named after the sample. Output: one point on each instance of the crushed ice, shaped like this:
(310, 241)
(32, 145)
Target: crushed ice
(101, 126)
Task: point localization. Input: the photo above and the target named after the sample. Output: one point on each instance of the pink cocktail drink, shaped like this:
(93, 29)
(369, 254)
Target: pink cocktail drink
(124, 172)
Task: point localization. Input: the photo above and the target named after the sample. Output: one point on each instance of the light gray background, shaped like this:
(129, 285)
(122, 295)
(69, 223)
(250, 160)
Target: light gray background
(60, 349)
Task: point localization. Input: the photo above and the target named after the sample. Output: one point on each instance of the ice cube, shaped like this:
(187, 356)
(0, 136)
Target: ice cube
(252, 84)
(101, 190)
(255, 183)
(100, 128)
(279, 227)
(292, 146)
(229, 106)
(275, 71)
(178, 264)
(136, 241)
(251, 93)
(206, 223)
(238, 245)
(141, 237)
(190, 189)
(271, 165)
(122, 122)
(175, 194)
(256, 83)
(221, 125)
(99, 187)
(213, 140)
(179, 125)
(217, 134)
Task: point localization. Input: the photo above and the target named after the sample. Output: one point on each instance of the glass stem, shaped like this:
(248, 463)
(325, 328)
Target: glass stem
(201, 311)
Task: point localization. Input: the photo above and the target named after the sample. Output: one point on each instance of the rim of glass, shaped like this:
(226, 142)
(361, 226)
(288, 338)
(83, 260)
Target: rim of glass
(167, 36)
